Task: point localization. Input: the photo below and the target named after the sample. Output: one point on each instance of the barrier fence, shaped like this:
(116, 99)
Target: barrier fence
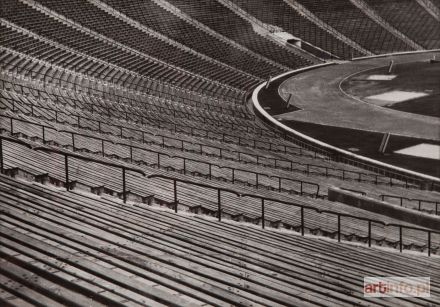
(292, 166)
(219, 190)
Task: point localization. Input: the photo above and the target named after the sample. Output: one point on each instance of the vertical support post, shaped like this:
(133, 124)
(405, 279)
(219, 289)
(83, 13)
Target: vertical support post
(219, 205)
(175, 195)
(184, 166)
(262, 213)
(233, 175)
(400, 238)
(44, 133)
(66, 170)
(73, 141)
(102, 148)
(131, 154)
(279, 184)
(120, 127)
(429, 243)
(1, 157)
(210, 171)
(12, 126)
(158, 160)
(369, 233)
(302, 220)
(124, 194)
(339, 228)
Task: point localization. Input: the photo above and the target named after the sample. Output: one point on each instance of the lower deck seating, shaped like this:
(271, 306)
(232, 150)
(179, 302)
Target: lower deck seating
(97, 250)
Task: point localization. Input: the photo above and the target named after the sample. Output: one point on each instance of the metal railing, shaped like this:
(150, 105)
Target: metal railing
(419, 202)
(303, 225)
(306, 168)
(305, 187)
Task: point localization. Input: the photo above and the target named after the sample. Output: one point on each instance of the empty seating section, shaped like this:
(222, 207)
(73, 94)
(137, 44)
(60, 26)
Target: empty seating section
(353, 23)
(161, 20)
(39, 23)
(137, 255)
(54, 98)
(224, 21)
(136, 124)
(410, 18)
(279, 13)
(87, 15)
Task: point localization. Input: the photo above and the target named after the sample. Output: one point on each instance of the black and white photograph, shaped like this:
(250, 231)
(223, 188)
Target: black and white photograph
(220, 153)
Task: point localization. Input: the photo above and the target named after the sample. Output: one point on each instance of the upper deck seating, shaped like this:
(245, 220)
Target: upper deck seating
(410, 18)
(278, 13)
(224, 21)
(353, 23)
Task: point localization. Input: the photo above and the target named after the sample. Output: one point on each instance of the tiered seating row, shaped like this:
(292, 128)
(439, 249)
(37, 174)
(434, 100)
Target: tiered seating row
(39, 23)
(279, 13)
(353, 23)
(224, 21)
(95, 177)
(88, 15)
(94, 247)
(153, 16)
(410, 18)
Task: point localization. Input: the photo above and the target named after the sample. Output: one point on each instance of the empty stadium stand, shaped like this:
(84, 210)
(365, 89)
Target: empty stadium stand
(133, 171)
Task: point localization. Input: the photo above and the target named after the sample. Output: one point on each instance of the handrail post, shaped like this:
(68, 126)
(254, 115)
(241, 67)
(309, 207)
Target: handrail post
(102, 148)
(210, 171)
(400, 238)
(302, 220)
(262, 213)
(1, 157)
(339, 227)
(66, 170)
(429, 243)
(369, 233)
(233, 175)
(219, 205)
(175, 195)
(279, 184)
(44, 134)
(184, 166)
(12, 126)
(131, 154)
(124, 194)
(158, 160)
